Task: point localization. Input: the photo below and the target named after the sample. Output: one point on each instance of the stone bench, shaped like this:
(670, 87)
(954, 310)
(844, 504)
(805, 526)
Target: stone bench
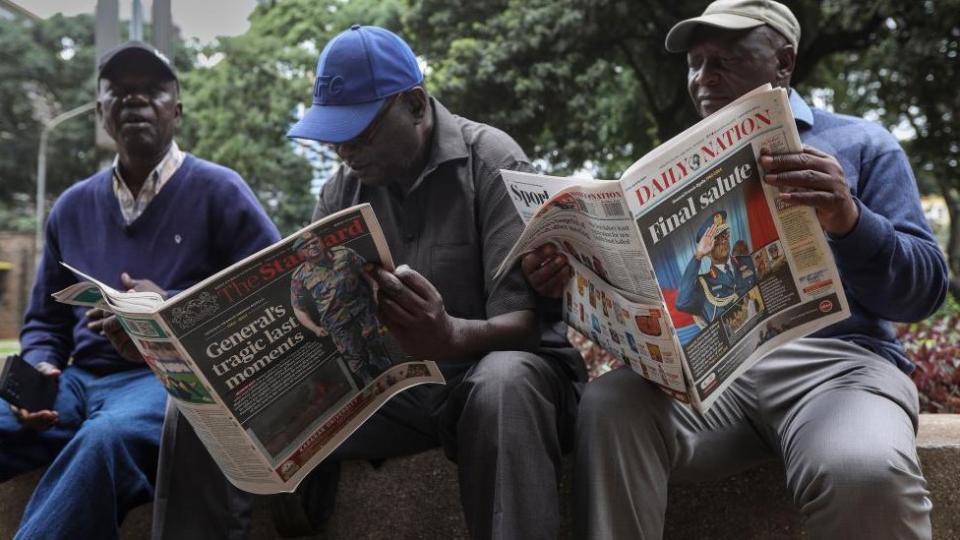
(417, 497)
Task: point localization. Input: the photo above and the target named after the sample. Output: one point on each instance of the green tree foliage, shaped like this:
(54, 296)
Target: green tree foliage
(238, 110)
(583, 81)
(46, 68)
(907, 78)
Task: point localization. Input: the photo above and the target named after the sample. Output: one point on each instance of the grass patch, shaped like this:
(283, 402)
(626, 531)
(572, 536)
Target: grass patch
(9, 346)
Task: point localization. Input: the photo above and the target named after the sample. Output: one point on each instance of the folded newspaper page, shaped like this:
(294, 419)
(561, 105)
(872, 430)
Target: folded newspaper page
(276, 360)
(688, 263)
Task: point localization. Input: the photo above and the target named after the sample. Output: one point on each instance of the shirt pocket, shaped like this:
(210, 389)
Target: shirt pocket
(456, 270)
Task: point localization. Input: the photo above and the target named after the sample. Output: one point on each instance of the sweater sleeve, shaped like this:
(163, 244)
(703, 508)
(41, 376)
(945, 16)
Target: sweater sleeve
(47, 333)
(891, 263)
(244, 227)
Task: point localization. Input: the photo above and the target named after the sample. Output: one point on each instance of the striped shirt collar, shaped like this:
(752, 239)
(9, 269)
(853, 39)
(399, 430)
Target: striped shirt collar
(132, 207)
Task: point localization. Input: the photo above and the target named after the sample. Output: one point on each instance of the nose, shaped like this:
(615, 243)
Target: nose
(137, 97)
(346, 150)
(706, 74)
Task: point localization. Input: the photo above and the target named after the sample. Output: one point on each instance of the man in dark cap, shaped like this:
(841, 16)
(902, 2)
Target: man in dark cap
(158, 214)
(837, 408)
(707, 295)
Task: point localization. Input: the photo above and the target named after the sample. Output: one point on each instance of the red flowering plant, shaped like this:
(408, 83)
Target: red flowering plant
(934, 346)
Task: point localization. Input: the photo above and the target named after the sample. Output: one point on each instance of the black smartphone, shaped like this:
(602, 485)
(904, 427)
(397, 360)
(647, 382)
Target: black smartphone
(26, 387)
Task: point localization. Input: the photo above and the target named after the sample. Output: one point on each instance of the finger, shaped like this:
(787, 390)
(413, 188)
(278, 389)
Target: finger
(418, 284)
(393, 314)
(547, 250)
(95, 313)
(394, 288)
(820, 200)
(554, 287)
(48, 369)
(554, 269)
(797, 162)
(806, 179)
(127, 281)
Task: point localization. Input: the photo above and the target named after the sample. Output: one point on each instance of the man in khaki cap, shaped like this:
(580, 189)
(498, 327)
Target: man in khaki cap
(836, 409)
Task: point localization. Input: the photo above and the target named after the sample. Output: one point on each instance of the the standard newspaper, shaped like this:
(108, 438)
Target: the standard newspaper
(688, 268)
(276, 360)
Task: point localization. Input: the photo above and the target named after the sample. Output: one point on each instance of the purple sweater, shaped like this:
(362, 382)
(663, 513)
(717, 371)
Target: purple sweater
(204, 219)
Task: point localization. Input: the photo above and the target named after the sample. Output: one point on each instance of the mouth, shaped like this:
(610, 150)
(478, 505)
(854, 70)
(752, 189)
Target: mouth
(134, 121)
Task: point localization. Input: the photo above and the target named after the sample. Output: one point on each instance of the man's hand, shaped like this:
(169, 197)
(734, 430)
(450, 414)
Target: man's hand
(705, 245)
(39, 420)
(546, 270)
(412, 308)
(107, 325)
(816, 179)
(141, 285)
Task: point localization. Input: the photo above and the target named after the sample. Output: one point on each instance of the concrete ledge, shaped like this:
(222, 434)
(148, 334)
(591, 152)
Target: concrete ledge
(417, 497)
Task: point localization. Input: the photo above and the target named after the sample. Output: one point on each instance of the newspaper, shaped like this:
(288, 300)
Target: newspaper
(689, 323)
(276, 360)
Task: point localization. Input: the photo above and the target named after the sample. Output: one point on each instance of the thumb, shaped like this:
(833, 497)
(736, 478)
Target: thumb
(127, 281)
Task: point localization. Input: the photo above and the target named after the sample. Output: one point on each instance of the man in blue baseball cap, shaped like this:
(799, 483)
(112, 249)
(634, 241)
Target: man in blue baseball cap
(433, 179)
(507, 412)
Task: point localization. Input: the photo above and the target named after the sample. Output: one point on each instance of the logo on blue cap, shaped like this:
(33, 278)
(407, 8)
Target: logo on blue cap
(356, 72)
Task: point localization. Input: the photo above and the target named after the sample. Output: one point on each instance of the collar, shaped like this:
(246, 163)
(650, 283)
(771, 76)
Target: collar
(448, 144)
(160, 174)
(801, 111)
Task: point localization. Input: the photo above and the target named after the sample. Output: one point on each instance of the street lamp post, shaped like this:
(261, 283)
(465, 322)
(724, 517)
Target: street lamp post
(42, 169)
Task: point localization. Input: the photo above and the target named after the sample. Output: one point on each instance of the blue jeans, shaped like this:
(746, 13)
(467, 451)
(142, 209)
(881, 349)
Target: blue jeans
(102, 455)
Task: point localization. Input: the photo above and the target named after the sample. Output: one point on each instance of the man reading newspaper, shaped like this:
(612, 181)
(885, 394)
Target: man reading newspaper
(837, 409)
(506, 414)
(157, 218)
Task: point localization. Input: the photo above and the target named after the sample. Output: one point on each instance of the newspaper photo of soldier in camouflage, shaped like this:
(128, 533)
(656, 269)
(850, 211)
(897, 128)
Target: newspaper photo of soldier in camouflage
(332, 296)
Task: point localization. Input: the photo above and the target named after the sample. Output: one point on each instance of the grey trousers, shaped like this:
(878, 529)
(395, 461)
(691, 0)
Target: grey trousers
(506, 420)
(841, 419)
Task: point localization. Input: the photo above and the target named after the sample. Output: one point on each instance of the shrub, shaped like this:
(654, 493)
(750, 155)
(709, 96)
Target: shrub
(934, 346)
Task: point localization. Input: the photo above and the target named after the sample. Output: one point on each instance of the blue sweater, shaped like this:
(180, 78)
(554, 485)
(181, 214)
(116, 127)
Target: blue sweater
(890, 264)
(204, 219)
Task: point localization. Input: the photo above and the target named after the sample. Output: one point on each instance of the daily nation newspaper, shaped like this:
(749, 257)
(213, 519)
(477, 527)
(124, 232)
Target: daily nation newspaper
(276, 360)
(688, 268)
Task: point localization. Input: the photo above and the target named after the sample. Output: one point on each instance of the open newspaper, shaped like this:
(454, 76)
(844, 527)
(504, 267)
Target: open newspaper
(687, 268)
(276, 360)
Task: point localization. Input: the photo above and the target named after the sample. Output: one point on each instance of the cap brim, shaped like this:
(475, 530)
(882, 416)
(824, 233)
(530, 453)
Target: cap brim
(679, 37)
(335, 123)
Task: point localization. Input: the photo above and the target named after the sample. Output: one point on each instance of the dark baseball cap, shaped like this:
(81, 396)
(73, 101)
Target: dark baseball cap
(357, 71)
(134, 52)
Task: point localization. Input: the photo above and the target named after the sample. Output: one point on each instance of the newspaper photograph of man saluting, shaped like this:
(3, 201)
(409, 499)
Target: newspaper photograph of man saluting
(332, 297)
(707, 295)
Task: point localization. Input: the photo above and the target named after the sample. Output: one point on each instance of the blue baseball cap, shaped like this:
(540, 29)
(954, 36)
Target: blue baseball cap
(357, 71)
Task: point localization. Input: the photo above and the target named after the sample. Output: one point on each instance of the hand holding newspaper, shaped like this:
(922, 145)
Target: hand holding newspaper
(277, 359)
(687, 268)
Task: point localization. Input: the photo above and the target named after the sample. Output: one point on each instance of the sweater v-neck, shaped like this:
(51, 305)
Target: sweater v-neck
(159, 202)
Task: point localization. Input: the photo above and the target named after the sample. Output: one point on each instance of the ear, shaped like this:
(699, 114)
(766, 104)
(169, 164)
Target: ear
(786, 62)
(416, 100)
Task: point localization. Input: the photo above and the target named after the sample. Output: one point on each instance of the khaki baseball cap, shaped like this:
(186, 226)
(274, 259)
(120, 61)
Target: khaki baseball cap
(736, 15)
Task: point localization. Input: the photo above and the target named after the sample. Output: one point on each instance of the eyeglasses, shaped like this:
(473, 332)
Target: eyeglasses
(366, 137)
